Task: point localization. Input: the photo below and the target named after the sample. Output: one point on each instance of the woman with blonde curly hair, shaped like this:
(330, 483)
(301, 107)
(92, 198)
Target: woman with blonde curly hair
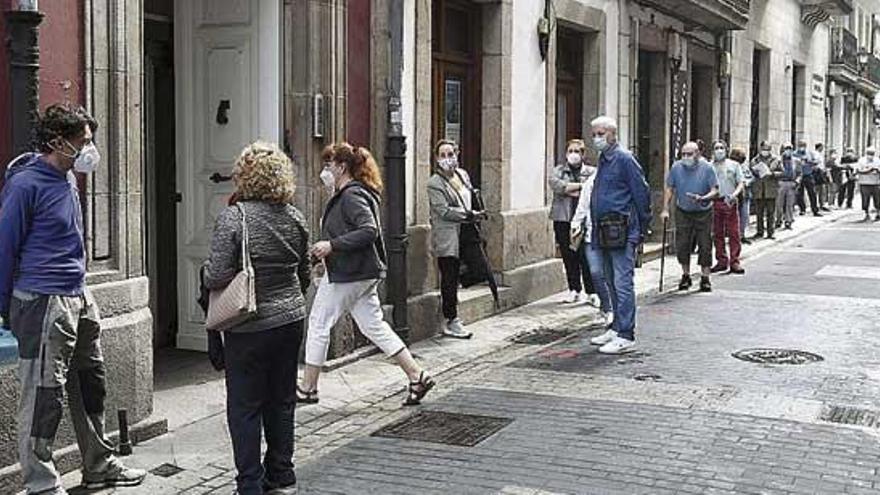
(260, 355)
(353, 253)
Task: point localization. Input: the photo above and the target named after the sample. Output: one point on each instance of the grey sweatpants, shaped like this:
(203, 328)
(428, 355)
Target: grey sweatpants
(59, 348)
(785, 201)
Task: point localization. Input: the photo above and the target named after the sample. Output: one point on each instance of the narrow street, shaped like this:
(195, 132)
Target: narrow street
(544, 413)
(682, 415)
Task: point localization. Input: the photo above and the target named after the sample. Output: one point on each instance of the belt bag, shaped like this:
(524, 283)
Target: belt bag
(613, 231)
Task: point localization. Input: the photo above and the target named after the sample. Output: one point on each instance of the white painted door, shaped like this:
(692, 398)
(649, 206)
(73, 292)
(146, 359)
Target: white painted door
(228, 93)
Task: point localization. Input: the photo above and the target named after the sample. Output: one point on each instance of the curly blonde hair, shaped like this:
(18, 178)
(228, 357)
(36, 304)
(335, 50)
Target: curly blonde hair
(263, 173)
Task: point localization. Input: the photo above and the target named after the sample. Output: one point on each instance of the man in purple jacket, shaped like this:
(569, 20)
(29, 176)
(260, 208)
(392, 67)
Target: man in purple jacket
(53, 316)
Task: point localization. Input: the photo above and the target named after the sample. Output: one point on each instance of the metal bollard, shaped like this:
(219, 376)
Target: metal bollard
(124, 447)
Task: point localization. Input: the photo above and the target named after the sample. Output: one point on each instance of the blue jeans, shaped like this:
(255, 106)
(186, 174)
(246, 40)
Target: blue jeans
(744, 216)
(619, 271)
(597, 272)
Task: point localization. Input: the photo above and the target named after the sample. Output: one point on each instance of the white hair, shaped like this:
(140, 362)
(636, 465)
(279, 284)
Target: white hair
(605, 122)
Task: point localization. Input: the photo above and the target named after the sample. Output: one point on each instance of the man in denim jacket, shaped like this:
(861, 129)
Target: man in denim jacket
(620, 191)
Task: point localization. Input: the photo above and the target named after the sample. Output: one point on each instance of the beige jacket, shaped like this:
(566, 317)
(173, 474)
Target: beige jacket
(447, 214)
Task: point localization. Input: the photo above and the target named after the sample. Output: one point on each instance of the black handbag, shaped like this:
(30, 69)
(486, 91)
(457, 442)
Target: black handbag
(613, 231)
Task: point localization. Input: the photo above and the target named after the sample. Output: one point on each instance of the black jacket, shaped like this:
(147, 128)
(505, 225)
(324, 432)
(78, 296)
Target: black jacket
(351, 224)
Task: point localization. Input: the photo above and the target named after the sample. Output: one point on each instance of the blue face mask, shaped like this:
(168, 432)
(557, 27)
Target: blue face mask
(786, 153)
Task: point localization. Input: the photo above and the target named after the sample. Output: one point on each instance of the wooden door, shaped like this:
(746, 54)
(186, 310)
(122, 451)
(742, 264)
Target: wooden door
(228, 90)
(456, 105)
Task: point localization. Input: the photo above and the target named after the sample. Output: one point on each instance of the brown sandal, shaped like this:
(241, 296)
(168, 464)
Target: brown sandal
(417, 390)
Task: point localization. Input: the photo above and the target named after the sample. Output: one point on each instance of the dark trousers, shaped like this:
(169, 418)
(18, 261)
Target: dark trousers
(576, 269)
(470, 256)
(726, 227)
(870, 193)
(846, 192)
(693, 226)
(808, 185)
(766, 211)
(261, 394)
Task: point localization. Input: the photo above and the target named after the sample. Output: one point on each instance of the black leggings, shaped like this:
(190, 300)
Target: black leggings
(576, 269)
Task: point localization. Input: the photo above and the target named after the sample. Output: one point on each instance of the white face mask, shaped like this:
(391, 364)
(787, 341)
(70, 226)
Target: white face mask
(688, 162)
(765, 153)
(87, 159)
(574, 158)
(720, 155)
(600, 143)
(448, 164)
(328, 179)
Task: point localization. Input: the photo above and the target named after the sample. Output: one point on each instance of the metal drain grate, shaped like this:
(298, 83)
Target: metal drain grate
(777, 356)
(465, 430)
(166, 470)
(541, 336)
(847, 415)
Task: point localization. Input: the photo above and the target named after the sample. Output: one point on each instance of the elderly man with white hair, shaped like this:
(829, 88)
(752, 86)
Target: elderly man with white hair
(868, 173)
(694, 184)
(621, 217)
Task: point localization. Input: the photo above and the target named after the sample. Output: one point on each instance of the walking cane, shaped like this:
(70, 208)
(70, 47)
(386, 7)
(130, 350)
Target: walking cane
(663, 254)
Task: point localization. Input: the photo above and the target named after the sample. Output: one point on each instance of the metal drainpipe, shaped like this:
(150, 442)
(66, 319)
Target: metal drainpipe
(395, 170)
(24, 64)
(726, 42)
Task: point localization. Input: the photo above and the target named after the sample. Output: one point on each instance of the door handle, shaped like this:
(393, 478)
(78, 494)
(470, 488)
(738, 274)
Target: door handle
(223, 112)
(177, 197)
(217, 178)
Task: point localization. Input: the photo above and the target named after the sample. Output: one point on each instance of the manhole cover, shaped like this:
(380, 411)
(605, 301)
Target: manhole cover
(541, 336)
(465, 430)
(777, 356)
(847, 415)
(166, 470)
(646, 377)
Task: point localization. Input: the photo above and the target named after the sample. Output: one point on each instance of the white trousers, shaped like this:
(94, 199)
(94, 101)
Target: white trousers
(361, 299)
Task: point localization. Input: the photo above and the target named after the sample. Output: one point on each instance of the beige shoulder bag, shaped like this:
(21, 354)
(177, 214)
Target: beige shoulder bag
(237, 302)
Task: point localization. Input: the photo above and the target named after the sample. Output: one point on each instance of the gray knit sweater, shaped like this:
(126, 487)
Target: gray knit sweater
(278, 242)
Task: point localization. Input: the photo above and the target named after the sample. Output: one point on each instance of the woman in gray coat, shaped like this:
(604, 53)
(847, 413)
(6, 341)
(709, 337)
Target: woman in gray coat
(261, 353)
(454, 236)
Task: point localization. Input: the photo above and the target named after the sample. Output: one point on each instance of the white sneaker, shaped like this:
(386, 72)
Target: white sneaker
(572, 297)
(618, 346)
(608, 318)
(605, 338)
(454, 328)
(593, 300)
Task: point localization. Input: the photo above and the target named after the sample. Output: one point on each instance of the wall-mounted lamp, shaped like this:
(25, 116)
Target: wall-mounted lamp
(863, 58)
(546, 25)
(788, 62)
(544, 29)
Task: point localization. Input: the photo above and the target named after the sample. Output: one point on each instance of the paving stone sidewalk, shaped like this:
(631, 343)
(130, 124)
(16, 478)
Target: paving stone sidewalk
(360, 397)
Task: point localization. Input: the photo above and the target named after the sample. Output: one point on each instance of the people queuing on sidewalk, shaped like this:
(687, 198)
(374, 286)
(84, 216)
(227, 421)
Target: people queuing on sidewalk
(621, 215)
(765, 190)
(745, 197)
(260, 353)
(352, 251)
(567, 182)
(49, 308)
(726, 208)
(867, 172)
(848, 178)
(694, 185)
(455, 240)
(787, 171)
(582, 239)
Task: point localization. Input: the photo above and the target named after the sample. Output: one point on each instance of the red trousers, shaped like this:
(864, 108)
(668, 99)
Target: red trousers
(727, 227)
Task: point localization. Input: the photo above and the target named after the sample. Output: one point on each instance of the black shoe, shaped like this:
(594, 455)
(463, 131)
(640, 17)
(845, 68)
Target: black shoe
(747, 241)
(685, 283)
(825, 208)
(719, 268)
(877, 218)
(803, 213)
(758, 236)
(737, 270)
(771, 237)
(705, 284)
(817, 214)
(787, 225)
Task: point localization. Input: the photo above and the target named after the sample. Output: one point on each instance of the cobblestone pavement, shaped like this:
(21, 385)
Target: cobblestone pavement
(680, 416)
